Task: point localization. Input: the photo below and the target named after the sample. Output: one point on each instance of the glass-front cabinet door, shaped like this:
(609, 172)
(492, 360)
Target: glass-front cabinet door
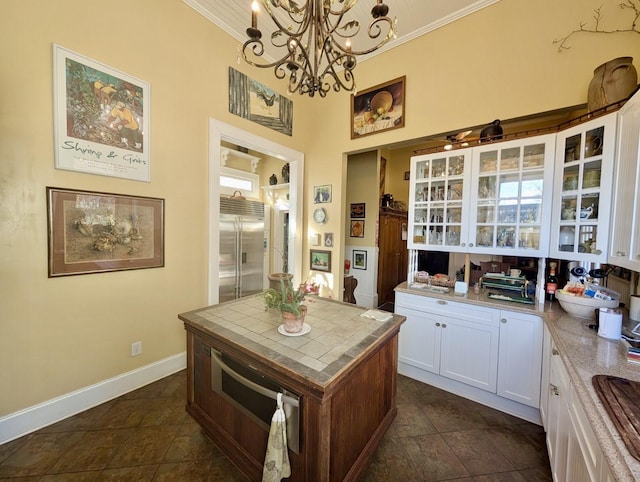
(511, 196)
(438, 200)
(624, 242)
(582, 190)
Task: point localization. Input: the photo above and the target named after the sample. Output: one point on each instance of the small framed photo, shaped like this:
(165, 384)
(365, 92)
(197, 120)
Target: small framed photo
(95, 232)
(357, 229)
(357, 210)
(359, 259)
(320, 260)
(378, 109)
(328, 240)
(322, 194)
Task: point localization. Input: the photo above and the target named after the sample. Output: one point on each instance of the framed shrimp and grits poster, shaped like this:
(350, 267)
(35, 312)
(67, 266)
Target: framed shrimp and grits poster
(101, 118)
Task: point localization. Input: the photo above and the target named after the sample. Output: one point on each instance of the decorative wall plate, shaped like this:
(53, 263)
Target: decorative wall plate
(320, 216)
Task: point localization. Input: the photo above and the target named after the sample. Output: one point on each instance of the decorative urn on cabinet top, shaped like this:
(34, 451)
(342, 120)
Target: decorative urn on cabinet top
(612, 82)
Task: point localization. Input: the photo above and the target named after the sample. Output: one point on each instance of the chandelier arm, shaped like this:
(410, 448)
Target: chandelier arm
(253, 46)
(384, 40)
(347, 5)
(333, 59)
(318, 56)
(293, 14)
(332, 24)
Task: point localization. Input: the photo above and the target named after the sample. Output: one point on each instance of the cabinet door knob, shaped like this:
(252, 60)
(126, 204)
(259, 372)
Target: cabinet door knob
(444, 325)
(554, 389)
(471, 245)
(441, 302)
(437, 324)
(463, 244)
(555, 352)
(620, 253)
(503, 320)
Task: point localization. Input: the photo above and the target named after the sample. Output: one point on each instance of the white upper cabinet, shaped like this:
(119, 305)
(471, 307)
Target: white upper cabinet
(582, 190)
(544, 196)
(492, 199)
(511, 196)
(624, 244)
(438, 201)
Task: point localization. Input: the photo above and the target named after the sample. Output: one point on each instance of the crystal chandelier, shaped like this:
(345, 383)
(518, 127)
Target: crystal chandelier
(313, 38)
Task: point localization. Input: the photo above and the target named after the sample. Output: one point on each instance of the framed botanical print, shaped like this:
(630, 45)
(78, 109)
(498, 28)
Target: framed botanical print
(357, 228)
(95, 232)
(320, 260)
(322, 194)
(359, 259)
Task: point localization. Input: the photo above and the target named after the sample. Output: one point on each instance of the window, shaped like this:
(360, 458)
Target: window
(232, 180)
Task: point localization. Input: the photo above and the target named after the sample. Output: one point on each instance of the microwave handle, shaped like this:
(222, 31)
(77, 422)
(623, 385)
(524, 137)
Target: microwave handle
(248, 383)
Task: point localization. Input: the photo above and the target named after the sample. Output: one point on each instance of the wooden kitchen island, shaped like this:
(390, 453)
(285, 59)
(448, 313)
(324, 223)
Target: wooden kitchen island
(344, 371)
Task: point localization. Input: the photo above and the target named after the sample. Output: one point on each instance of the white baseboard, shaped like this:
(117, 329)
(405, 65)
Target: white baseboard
(33, 418)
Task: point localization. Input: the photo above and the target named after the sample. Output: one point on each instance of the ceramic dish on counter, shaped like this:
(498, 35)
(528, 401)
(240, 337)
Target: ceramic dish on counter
(582, 306)
(306, 328)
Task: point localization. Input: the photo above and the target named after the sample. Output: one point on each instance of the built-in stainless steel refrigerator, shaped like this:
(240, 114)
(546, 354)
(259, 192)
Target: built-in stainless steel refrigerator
(242, 239)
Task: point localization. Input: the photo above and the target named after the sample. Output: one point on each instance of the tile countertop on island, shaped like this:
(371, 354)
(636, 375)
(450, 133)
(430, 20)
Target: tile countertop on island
(339, 334)
(584, 354)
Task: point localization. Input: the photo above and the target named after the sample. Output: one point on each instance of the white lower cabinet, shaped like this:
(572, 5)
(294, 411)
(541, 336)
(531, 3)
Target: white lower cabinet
(520, 357)
(463, 347)
(574, 452)
(480, 349)
(419, 345)
(469, 351)
(544, 383)
(558, 424)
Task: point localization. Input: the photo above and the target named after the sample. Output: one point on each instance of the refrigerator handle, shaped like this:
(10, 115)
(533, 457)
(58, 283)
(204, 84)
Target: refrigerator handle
(239, 258)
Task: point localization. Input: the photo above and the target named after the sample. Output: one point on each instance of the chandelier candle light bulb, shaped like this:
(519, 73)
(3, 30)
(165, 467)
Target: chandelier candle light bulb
(255, 8)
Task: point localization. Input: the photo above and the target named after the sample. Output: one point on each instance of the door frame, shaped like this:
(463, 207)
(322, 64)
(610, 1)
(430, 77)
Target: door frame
(220, 131)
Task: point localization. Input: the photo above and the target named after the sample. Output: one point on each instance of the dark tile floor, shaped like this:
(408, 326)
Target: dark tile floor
(147, 435)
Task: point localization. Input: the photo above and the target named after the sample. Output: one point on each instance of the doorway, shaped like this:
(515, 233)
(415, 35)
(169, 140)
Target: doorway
(290, 218)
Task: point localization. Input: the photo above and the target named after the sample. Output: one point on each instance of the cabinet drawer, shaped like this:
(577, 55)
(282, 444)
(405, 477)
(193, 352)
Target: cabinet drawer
(439, 306)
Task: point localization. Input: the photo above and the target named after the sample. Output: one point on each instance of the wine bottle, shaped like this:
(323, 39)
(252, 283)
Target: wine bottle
(552, 282)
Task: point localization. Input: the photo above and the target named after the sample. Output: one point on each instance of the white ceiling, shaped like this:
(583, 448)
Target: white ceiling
(415, 17)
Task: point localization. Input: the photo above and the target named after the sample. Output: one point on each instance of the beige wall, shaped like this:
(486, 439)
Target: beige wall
(362, 187)
(59, 335)
(398, 162)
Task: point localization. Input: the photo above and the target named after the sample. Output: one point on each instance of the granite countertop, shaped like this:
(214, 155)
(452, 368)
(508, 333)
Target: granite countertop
(339, 335)
(584, 354)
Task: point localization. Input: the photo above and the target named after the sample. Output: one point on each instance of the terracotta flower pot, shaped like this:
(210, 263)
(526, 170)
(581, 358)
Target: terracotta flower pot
(293, 323)
(275, 278)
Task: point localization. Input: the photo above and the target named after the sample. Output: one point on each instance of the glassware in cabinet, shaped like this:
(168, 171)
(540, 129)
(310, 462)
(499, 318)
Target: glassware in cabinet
(438, 191)
(512, 207)
(582, 199)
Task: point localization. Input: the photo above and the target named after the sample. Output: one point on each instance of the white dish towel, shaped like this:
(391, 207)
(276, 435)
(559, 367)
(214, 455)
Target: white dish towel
(276, 460)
